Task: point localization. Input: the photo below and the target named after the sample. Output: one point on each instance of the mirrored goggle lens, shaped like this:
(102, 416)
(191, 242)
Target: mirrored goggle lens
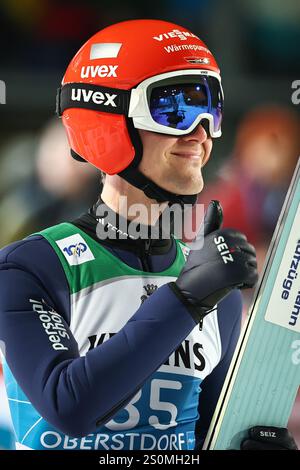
(179, 105)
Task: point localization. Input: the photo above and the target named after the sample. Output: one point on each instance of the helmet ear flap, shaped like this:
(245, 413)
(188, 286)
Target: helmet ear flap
(102, 138)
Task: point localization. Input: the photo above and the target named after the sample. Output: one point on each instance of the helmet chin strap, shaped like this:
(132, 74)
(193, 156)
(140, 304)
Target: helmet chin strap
(153, 191)
(140, 181)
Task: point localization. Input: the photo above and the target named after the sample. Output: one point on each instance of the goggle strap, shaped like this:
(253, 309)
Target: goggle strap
(94, 97)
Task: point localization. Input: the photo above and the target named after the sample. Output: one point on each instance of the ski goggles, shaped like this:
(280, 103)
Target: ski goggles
(174, 104)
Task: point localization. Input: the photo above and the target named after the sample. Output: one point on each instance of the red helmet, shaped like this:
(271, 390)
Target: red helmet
(110, 64)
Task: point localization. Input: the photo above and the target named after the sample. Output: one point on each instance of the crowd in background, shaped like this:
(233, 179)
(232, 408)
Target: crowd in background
(257, 46)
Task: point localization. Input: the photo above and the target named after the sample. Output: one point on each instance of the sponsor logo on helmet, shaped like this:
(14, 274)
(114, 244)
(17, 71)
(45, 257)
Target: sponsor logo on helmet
(197, 60)
(78, 94)
(100, 70)
(183, 35)
(186, 47)
(105, 50)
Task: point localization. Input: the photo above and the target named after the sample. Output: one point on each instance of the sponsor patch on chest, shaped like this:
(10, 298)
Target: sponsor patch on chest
(75, 249)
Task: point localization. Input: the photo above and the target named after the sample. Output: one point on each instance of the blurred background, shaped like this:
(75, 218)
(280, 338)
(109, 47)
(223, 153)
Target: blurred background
(256, 43)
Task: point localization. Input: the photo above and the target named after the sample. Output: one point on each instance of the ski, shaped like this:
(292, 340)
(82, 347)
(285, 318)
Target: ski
(264, 375)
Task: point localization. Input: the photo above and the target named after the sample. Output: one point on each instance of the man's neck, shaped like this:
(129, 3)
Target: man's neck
(130, 202)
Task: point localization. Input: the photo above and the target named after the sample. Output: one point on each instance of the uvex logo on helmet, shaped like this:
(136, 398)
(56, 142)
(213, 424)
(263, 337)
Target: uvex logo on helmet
(183, 35)
(79, 94)
(100, 70)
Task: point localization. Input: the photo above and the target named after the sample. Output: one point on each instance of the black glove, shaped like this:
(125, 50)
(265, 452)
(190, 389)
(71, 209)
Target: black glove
(225, 262)
(268, 438)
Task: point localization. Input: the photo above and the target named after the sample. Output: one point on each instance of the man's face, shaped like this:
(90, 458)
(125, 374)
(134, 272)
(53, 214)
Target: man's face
(175, 163)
